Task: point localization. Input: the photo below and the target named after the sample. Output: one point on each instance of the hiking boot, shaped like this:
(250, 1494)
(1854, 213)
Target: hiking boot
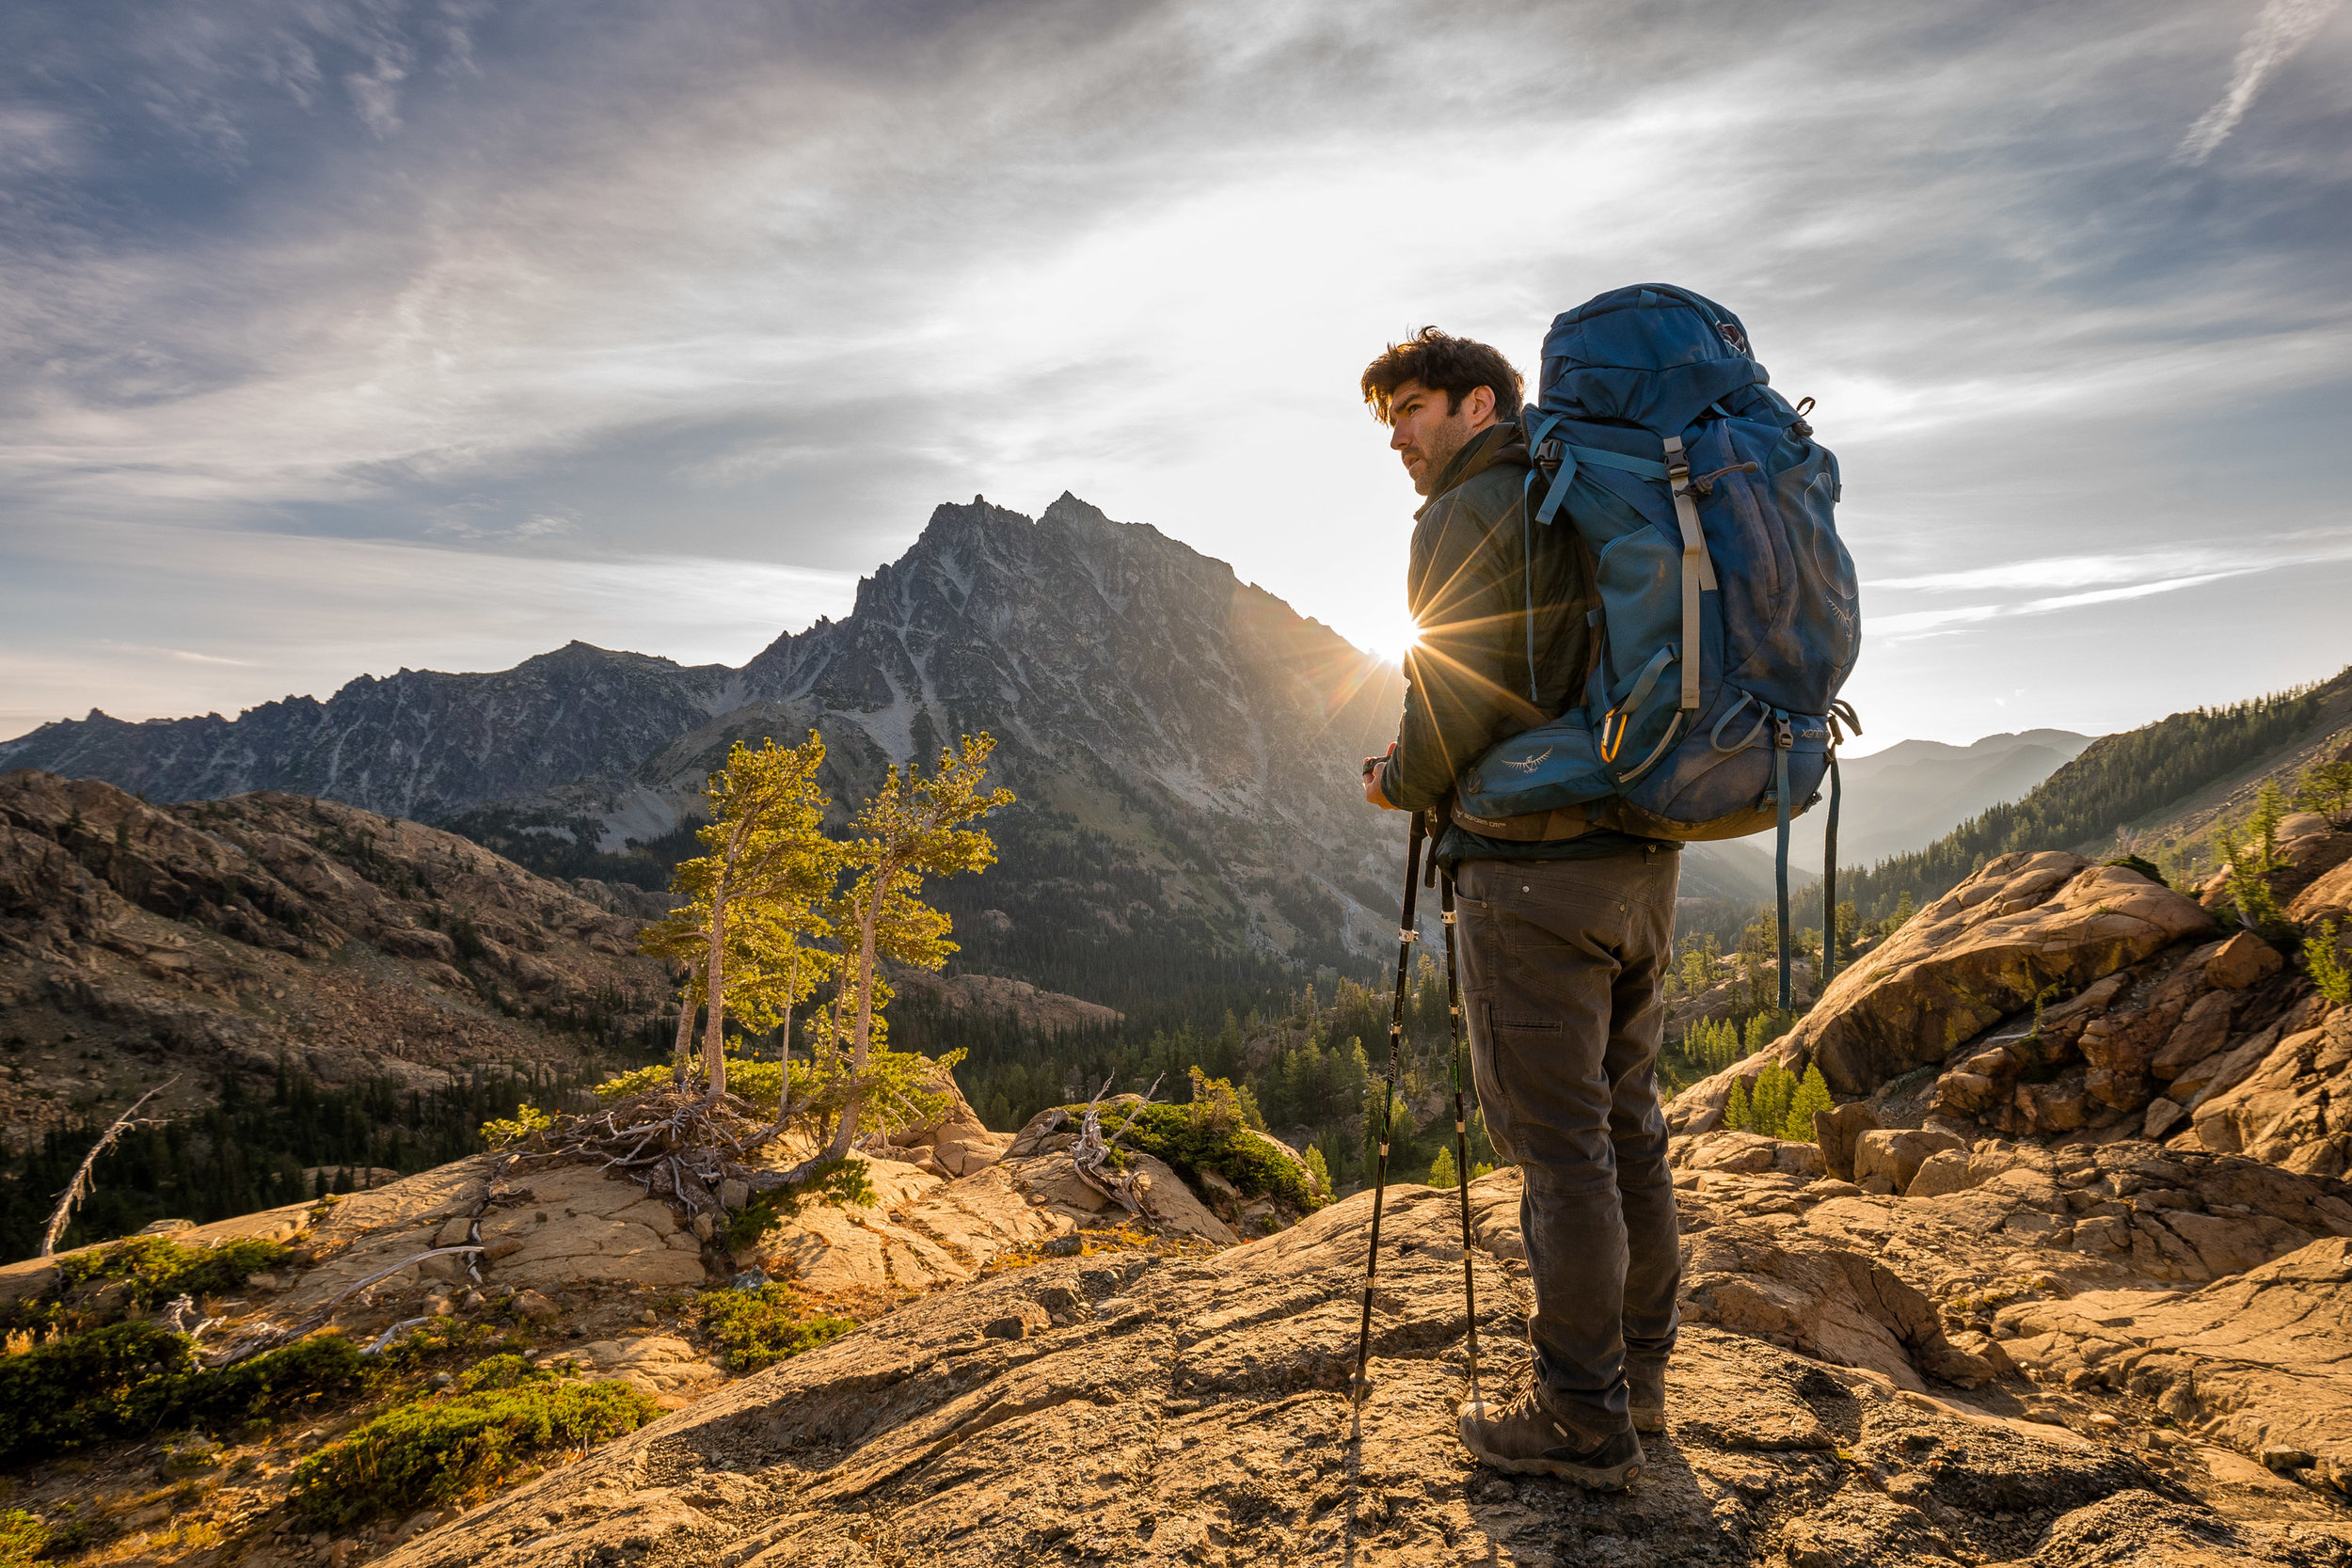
(1524, 1438)
(1646, 1395)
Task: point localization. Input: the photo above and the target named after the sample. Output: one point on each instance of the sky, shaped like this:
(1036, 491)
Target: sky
(342, 336)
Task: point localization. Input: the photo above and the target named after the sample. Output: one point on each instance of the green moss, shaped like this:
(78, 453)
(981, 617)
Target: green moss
(159, 1268)
(758, 1328)
(458, 1447)
(1196, 1144)
(131, 1379)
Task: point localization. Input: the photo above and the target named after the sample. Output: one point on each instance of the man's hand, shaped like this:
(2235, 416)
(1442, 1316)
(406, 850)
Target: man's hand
(1372, 779)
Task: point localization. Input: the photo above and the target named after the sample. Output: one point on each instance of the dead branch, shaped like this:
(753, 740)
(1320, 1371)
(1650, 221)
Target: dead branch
(1090, 1156)
(389, 1335)
(78, 1188)
(270, 1338)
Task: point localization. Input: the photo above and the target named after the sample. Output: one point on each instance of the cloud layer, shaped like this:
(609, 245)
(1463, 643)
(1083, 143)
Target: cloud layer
(437, 333)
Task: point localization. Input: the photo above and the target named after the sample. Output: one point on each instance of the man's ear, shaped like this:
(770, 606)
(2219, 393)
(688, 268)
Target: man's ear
(1478, 407)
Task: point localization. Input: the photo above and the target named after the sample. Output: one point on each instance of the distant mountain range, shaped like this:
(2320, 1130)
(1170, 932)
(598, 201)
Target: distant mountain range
(1185, 746)
(1915, 791)
(2155, 793)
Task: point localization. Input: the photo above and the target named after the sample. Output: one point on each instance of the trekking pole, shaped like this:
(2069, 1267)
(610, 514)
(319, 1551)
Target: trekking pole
(1461, 1127)
(1359, 1386)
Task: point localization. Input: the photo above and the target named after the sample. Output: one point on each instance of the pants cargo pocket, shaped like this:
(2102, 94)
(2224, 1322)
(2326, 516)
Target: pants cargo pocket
(1514, 1054)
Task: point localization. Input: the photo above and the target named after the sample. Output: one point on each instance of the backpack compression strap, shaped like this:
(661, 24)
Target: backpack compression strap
(1698, 571)
(1698, 568)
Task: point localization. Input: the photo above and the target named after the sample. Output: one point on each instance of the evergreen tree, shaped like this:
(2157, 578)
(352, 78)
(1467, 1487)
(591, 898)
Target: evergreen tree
(1442, 1171)
(2325, 789)
(914, 827)
(752, 902)
(2324, 963)
(1738, 1115)
(1768, 1105)
(1812, 1095)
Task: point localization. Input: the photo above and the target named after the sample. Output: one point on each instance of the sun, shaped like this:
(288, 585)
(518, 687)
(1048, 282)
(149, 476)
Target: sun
(1392, 640)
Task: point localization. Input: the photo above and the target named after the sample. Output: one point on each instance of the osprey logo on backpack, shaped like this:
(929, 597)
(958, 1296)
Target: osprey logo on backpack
(1729, 614)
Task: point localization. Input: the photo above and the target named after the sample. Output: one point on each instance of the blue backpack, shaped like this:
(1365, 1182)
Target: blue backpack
(1728, 615)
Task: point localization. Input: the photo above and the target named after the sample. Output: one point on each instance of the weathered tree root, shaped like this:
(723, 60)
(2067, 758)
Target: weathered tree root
(678, 1144)
(1090, 1156)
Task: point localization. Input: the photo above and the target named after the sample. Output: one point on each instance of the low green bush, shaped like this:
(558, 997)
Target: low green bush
(22, 1538)
(160, 1268)
(135, 1378)
(1195, 1143)
(758, 1328)
(498, 1421)
(2325, 965)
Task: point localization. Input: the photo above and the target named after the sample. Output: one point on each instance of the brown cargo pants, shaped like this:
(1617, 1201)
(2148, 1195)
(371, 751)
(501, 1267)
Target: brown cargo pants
(1562, 961)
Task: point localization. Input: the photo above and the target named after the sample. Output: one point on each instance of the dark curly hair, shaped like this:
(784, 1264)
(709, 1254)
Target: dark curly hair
(1442, 363)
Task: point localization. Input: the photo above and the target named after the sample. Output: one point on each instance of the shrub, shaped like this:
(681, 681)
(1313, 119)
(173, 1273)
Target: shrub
(130, 1379)
(458, 1447)
(897, 1087)
(758, 1328)
(2320, 956)
(440, 1338)
(2325, 789)
(270, 1383)
(1254, 1166)
(22, 1538)
(500, 1132)
(160, 1268)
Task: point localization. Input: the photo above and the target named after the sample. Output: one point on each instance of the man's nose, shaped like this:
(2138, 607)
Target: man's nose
(1398, 440)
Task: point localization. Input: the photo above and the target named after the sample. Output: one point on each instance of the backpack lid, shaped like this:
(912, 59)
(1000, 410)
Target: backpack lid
(1649, 355)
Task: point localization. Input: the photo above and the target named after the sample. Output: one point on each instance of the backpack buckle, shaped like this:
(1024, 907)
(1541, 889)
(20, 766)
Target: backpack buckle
(1550, 451)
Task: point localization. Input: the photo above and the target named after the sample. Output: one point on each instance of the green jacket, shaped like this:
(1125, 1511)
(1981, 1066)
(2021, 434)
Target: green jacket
(1484, 667)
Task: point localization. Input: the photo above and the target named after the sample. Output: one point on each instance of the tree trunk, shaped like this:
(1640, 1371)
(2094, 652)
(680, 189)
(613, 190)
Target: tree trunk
(784, 1054)
(867, 922)
(714, 990)
(684, 1030)
(847, 1133)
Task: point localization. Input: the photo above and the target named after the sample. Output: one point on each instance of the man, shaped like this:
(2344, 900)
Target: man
(1564, 942)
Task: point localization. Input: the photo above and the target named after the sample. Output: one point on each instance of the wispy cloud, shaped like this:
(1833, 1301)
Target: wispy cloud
(598, 289)
(1914, 624)
(184, 656)
(2283, 27)
(2200, 564)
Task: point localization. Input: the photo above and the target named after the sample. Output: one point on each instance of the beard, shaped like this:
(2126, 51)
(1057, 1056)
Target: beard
(1435, 452)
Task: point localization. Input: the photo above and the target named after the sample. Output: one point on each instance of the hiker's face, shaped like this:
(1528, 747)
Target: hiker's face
(1426, 436)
